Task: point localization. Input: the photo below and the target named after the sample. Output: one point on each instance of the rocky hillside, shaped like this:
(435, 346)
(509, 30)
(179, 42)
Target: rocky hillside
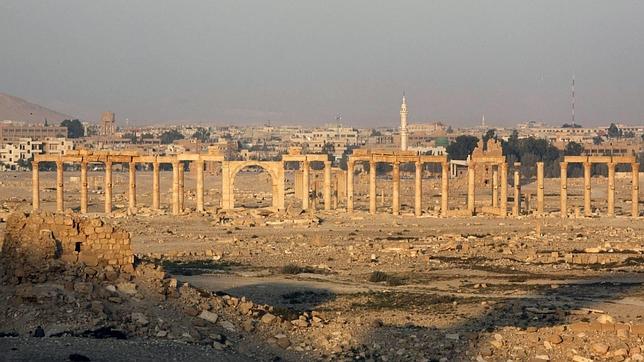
(18, 109)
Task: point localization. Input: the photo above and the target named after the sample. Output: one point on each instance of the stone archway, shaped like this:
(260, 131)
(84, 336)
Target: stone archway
(230, 169)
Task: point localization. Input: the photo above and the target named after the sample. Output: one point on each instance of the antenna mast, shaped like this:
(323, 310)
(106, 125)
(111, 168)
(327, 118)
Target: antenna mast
(572, 101)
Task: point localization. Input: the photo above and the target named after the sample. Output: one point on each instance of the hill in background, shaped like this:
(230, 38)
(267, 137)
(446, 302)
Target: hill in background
(18, 109)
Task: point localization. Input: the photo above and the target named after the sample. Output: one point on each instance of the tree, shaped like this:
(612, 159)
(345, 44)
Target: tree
(328, 148)
(462, 147)
(597, 140)
(573, 149)
(571, 125)
(614, 131)
(202, 134)
(170, 136)
(74, 127)
(490, 134)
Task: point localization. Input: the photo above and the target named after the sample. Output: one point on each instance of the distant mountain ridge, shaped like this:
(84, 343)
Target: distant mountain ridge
(18, 109)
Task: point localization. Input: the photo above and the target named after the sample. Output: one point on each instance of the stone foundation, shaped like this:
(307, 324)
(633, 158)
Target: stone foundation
(37, 241)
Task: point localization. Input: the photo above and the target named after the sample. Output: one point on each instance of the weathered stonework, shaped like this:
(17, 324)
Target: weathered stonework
(35, 241)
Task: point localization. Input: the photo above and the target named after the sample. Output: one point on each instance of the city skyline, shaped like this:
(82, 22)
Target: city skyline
(292, 63)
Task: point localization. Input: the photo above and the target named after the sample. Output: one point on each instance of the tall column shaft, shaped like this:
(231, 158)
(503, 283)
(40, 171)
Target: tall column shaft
(418, 192)
(444, 189)
(60, 193)
(35, 185)
(504, 189)
(611, 189)
(132, 187)
(540, 188)
(372, 187)
(156, 192)
(395, 207)
(108, 186)
(516, 209)
(175, 188)
(495, 188)
(350, 186)
(587, 189)
(327, 185)
(181, 186)
(83, 187)
(305, 185)
(563, 174)
(471, 188)
(635, 189)
(200, 179)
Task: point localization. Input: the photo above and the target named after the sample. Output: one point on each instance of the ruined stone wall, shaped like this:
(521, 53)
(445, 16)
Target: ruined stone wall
(36, 241)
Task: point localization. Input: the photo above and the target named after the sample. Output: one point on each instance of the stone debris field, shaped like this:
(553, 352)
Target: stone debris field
(256, 283)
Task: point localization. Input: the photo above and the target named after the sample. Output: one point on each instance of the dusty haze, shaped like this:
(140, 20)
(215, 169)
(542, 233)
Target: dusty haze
(304, 62)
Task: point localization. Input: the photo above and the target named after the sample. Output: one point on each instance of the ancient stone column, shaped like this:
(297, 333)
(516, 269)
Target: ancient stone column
(563, 177)
(327, 185)
(181, 186)
(156, 192)
(587, 207)
(516, 208)
(60, 193)
(611, 189)
(540, 188)
(132, 187)
(471, 187)
(372, 187)
(350, 165)
(108, 186)
(305, 185)
(395, 207)
(444, 189)
(35, 186)
(83, 187)
(200, 179)
(495, 187)
(504, 189)
(175, 188)
(418, 192)
(636, 189)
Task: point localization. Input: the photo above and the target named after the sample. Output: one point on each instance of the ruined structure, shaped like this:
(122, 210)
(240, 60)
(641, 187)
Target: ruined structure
(34, 242)
(396, 158)
(488, 161)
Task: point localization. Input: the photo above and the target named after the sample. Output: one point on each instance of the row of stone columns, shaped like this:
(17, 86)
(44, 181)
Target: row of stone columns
(501, 171)
(418, 188)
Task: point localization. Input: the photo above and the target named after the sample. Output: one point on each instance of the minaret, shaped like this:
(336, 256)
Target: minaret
(403, 124)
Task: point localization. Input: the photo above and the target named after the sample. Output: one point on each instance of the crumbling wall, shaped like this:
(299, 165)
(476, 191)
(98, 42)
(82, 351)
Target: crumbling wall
(38, 241)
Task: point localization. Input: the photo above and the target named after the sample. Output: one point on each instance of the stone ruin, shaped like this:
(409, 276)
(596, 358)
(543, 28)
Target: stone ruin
(38, 242)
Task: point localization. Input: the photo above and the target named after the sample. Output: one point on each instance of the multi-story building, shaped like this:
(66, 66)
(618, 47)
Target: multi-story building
(12, 132)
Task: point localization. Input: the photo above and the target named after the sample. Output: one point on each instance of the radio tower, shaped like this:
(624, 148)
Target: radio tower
(572, 100)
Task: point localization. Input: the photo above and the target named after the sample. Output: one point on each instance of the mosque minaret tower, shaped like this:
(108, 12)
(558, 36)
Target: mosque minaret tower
(403, 124)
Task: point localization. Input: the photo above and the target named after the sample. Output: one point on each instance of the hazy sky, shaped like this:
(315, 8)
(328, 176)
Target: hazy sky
(302, 62)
